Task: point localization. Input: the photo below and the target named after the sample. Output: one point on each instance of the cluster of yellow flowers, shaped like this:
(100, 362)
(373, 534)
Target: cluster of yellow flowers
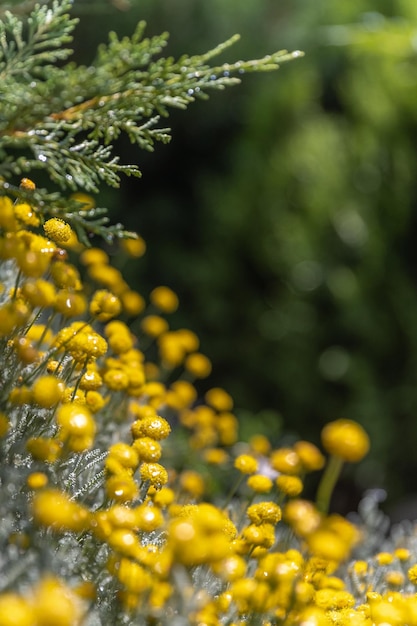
(108, 516)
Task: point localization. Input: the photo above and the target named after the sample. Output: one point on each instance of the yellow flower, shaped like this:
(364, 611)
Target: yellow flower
(286, 460)
(290, 485)
(39, 292)
(345, 439)
(309, 455)
(155, 473)
(132, 302)
(246, 464)
(76, 420)
(26, 215)
(149, 449)
(15, 610)
(133, 576)
(412, 574)
(198, 365)
(134, 247)
(154, 325)
(148, 518)
(55, 604)
(219, 399)
(37, 480)
(124, 454)
(44, 449)
(154, 426)
(164, 299)
(94, 256)
(104, 305)
(57, 230)
(264, 512)
(192, 482)
(259, 483)
(65, 275)
(47, 391)
(54, 509)
(333, 599)
(122, 488)
(7, 214)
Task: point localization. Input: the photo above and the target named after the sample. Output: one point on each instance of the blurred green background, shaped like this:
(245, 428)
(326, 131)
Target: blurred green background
(283, 213)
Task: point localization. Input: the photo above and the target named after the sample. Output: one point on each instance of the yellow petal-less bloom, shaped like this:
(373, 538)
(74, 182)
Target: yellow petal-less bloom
(246, 464)
(47, 391)
(54, 509)
(104, 305)
(260, 483)
(219, 399)
(310, 456)
(126, 455)
(164, 299)
(44, 449)
(15, 610)
(149, 449)
(155, 473)
(264, 512)
(122, 488)
(77, 420)
(134, 247)
(286, 460)
(37, 480)
(148, 518)
(292, 486)
(57, 230)
(345, 439)
(154, 325)
(26, 215)
(55, 604)
(412, 574)
(155, 427)
(198, 365)
(39, 292)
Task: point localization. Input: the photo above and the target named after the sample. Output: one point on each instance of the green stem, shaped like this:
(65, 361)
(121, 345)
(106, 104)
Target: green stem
(328, 482)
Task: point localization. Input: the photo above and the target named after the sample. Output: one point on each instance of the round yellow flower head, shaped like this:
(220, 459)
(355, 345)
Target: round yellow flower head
(25, 214)
(264, 512)
(198, 365)
(219, 399)
(155, 427)
(104, 305)
(154, 325)
(27, 184)
(292, 486)
(246, 464)
(54, 509)
(76, 420)
(286, 460)
(134, 247)
(259, 483)
(164, 299)
(345, 439)
(309, 455)
(412, 574)
(155, 473)
(47, 391)
(57, 230)
(16, 610)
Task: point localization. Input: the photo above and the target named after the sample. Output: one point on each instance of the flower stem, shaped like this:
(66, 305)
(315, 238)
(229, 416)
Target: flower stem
(328, 482)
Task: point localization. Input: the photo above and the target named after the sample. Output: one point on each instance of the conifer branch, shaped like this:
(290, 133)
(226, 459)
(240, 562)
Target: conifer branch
(66, 119)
